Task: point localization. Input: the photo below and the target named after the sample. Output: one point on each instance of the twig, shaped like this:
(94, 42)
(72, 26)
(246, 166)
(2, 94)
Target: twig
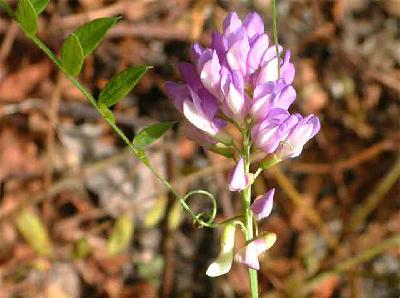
(50, 140)
(8, 41)
(297, 199)
(373, 200)
(343, 165)
(351, 262)
(168, 242)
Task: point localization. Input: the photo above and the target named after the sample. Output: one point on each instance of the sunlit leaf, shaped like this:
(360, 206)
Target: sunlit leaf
(120, 236)
(34, 232)
(175, 216)
(72, 55)
(27, 16)
(151, 134)
(156, 213)
(81, 249)
(121, 84)
(39, 5)
(91, 34)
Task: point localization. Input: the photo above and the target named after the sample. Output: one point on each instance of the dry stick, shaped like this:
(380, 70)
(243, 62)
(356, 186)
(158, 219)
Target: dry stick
(67, 183)
(346, 265)
(50, 140)
(8, 41)
(373, 200)
(299, 202)
(168, 242)
(342, 165)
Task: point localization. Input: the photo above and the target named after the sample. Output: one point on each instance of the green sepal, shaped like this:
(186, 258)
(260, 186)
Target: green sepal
(269, 161)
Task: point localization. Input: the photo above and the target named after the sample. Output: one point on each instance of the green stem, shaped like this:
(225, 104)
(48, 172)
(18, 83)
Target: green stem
(116, 129)
(275, 29)
(247, 214)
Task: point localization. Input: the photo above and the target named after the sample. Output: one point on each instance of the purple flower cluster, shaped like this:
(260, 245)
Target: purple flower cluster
(237, 78)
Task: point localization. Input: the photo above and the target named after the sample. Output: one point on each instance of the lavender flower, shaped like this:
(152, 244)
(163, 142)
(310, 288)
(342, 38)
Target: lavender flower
(237, 77)
(262, 206)
(237, 80)
(305, 129)
(249, 254)
(238, 180)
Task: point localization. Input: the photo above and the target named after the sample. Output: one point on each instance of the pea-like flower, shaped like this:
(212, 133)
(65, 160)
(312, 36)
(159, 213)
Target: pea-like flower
(262, 206)
(305, 129)
(239, 180)
(249, 254)
(236, 78)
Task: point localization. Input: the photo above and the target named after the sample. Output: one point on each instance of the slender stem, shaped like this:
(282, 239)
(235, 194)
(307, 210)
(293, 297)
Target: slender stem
(247, 214)
(116, 129)
(275, 29)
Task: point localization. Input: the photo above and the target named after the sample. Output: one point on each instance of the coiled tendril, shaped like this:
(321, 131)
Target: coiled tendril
(198, 217)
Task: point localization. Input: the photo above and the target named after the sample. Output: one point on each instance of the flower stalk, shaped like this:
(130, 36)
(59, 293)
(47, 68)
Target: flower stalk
(247, 213)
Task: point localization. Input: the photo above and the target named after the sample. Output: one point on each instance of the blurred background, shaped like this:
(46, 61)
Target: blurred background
(81, 217)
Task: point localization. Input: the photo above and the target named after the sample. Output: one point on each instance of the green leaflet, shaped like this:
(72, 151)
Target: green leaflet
(151, 134)
(121, 84)
(90, 34)
(82, 42)
(27, 17)
(39, 5)
(72, 55)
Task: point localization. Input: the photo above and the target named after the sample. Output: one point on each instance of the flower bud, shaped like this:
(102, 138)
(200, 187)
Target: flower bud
(239, 180)
(262, 206)
(223, 262)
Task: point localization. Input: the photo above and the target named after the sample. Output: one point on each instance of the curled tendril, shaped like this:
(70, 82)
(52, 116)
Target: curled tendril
(198, 216)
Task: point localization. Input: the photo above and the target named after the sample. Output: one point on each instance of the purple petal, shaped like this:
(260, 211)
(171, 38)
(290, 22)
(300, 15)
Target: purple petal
(219, 44)
(234, 103)
(238, 180)
(262, 206)
(254, 24)
(270, 53)
(210, 73)
(287, 69)
(190, 75)
(301, 133)
(268, 134)
(247, 257)
(269, 72)
(231, 23)
(198, 118)
(286, 97)
(249, 254)
(256, 53)
(237, 55)
(177, 93)
(196, 51)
